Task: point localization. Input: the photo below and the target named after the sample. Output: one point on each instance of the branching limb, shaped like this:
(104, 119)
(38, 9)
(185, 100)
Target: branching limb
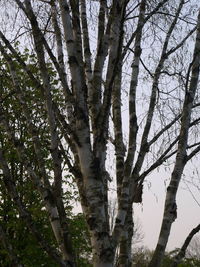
(181, 254)
(10, 185)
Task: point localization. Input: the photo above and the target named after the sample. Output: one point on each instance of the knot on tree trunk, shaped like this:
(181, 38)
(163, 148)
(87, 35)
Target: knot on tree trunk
(138, 193)
(172, 211)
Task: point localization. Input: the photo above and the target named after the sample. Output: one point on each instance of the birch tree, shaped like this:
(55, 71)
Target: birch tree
(181, 253)
(95, 59)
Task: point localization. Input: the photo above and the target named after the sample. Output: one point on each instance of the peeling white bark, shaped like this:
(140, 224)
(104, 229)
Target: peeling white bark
(84, 122)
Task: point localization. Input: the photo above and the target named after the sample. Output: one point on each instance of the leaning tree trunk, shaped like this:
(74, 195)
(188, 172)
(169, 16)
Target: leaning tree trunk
(170, 210)
(181, 254)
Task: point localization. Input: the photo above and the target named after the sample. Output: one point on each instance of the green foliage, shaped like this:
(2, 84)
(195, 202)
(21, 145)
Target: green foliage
(142, 257)
(24, 244)
(22, 240)
(190, 262)
(81, 240)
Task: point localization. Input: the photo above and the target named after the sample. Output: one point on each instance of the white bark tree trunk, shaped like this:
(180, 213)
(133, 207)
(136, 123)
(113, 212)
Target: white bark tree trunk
(97, 87)
(170, 209)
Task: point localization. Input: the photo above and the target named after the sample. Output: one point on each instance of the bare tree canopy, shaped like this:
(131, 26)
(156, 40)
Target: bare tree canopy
(94, 95)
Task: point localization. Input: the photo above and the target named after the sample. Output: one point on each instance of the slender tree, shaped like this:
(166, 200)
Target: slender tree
(181, 254)
(170, 210)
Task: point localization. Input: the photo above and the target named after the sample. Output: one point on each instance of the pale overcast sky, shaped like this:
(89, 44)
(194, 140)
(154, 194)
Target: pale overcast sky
(150, 213)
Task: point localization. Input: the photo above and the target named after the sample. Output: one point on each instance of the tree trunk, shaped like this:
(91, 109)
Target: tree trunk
(103, 264)
(103, 257)
(181, 254)
(181, 158)
(125, 249)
